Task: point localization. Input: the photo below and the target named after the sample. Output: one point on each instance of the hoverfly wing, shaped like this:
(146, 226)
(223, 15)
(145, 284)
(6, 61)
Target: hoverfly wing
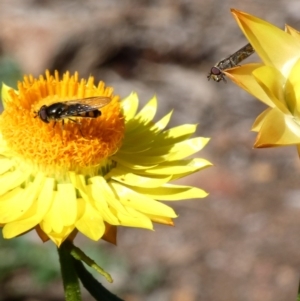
(90, 103)
(84, 107)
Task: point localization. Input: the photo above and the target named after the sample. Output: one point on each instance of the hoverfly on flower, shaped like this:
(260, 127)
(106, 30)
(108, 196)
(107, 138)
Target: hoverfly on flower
(233, 60)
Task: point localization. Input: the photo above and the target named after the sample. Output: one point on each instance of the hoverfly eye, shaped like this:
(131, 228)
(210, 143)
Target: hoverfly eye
(43, 114)
(215, 71)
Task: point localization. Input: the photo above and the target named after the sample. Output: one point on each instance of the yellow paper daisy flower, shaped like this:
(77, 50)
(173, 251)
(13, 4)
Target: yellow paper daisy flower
(91, 174)
(275, 81)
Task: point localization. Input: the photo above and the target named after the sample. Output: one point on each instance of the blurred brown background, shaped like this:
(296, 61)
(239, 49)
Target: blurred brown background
(240, 243)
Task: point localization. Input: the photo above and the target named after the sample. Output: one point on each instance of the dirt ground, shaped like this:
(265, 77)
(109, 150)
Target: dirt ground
(242, 242)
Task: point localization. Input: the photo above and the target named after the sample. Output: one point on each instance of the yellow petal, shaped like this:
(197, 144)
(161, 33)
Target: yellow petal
(66, 199)
(63, 210)
(243, 77)
(5, 165)
(45, 225)
(130, 105)
(148, 112)
(142, 119)
(182, 149)
(292, 90)
(16, 203)
(59, 238)
(176, 134)
(274, 46)
(131, 165)
(45, 197)
(14, 229)
(129, 160)
(9, 205)
(101, 204)
(5, 96)
(132, 179)
(178, 167)
(135, 219)
(150, 140)
(53, 221)
(163, 122)
(161, 219)
(195, 165)
(293, 32)
(145, 137)
(278, 130)
(79, 183)
(130, 198)
(107, 194)
(259, 120)
(91, 223)
(12, 179)
(172, 192)
(134, 148)
(34, 214)
(272, 82)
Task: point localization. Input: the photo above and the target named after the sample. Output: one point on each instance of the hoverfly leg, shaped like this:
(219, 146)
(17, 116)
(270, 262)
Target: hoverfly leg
(79, 123)
(62, 130)
(233, 64)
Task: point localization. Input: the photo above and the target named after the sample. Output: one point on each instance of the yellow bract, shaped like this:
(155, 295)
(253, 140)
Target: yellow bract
(275, 81)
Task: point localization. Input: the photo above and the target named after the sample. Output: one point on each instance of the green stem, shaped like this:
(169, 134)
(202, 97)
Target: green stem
(95, 288)
(69, 275)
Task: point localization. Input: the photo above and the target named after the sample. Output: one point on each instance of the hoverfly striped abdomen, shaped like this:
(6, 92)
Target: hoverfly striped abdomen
(91, 114)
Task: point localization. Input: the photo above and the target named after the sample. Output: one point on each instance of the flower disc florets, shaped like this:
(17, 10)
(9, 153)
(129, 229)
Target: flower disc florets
(55, 147)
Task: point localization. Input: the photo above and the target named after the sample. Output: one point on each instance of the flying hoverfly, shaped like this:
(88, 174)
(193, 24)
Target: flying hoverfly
(85, 108)
(216, 72)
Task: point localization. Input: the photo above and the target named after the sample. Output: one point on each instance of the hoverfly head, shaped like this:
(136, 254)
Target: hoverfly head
(42, 113)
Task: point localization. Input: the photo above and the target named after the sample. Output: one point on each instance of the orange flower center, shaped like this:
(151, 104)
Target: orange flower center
(61, 143)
